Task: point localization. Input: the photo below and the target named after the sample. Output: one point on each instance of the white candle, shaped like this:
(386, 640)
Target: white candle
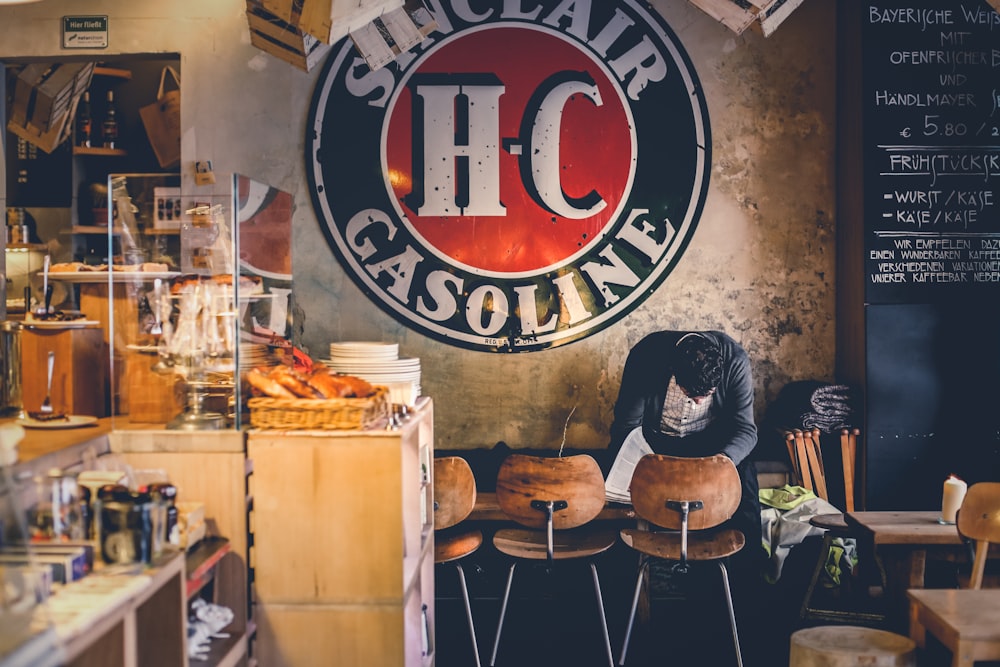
(951, 499)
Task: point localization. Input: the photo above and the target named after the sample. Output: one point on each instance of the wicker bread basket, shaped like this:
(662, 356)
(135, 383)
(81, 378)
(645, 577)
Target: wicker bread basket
(285, 414)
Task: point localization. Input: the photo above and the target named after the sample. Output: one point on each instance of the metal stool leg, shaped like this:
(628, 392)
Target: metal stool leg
(468, 612)
(631, 615)
(604, 620)
(503, 612)
(732, 612)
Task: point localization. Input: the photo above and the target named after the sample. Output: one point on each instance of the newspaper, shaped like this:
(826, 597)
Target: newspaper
(616, 486)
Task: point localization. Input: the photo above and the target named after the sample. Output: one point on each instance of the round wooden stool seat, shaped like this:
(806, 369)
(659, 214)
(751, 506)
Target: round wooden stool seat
(850, 646)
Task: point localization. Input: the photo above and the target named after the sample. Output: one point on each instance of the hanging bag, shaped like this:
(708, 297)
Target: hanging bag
(162, 120)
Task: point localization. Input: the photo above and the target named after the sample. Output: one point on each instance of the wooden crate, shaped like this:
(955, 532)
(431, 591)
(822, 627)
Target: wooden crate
(44, 92)
(282, 38)
(48, 140)
(330, 20)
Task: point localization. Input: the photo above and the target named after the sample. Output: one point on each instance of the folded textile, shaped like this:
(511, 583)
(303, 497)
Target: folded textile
(832, 399)
(785, 515)
(832, 408)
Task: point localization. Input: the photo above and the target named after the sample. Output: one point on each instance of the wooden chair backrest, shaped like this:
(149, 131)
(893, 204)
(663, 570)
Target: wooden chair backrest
(658, 479)
(454, 491)
(979, 519)
(575, 479)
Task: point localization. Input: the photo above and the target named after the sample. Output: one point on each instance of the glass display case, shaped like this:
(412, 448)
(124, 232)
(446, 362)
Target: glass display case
(198, 288)
(27, 634)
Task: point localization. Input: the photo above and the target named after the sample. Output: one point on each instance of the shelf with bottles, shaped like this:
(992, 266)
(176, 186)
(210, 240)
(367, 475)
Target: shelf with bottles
(99, 135)
(99, 151)
(113, 72)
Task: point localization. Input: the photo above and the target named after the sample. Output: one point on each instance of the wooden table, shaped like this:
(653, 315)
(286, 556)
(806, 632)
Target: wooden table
(896, 545)
(487, 509)
(965, 621)
(912, 533)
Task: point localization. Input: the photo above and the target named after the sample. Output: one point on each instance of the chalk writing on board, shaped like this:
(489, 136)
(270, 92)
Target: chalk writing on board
(932, 149)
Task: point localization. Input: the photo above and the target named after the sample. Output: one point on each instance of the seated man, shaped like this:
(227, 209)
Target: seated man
(692, 395)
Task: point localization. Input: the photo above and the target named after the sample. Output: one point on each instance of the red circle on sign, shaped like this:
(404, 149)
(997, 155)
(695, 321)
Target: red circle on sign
(529, 237)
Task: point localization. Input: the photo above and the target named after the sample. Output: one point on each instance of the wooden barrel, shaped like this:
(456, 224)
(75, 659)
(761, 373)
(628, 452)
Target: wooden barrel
(850, 646)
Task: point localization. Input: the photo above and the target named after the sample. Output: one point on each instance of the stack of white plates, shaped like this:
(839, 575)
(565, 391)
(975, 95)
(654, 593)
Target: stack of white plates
(380, 364)
(254, 355)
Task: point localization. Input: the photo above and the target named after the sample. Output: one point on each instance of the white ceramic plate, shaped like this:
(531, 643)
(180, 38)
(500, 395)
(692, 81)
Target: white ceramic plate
(71, 421)
(118, 276)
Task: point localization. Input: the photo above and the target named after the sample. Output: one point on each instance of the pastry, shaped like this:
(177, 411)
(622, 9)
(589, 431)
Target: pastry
(263, 383)
(342, 386)
(293, 381)
(329, 385)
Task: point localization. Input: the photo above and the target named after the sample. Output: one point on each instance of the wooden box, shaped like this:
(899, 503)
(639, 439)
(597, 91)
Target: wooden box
(282, 37)
(43, 92)
(79, 376)
(330, 20)
(45, 99)
(48, 140)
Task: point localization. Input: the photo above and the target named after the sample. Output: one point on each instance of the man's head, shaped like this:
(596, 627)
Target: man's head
(697, 365)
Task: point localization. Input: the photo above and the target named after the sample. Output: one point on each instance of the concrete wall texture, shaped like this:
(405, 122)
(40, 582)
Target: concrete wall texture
(760, 265)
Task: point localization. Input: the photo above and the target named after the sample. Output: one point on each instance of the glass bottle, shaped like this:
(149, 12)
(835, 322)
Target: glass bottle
(109, 129)
(84, 121)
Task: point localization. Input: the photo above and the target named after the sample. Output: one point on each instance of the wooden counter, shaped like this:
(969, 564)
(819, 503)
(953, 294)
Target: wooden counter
(61, 448)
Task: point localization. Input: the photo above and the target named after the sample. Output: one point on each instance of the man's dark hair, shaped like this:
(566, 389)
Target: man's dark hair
(697, 365)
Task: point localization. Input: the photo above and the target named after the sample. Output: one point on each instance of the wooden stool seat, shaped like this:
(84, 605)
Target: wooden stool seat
(850, 646)
(451, 545)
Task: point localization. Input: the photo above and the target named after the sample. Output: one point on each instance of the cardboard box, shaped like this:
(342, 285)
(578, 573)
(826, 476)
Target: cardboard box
(78, 555)
(48, 140)
(45, 100)
(43, 92)
(65, 567)
(282, 38)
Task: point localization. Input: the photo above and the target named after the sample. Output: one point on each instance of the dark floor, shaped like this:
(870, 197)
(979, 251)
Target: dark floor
(552, 619)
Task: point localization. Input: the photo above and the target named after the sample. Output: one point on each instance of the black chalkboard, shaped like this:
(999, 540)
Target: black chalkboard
(932, 401)
(931, 119)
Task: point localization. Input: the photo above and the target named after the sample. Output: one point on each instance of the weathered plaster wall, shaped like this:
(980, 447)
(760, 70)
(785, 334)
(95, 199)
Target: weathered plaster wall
(760, 265)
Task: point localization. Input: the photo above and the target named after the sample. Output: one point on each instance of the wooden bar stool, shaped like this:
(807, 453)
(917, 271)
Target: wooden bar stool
(690, 498)
(555, 500)
(454, 498)
(850, 646)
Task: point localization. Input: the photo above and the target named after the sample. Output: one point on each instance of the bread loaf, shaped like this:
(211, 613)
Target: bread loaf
(285, 382)
(293, 381)
(263, 383)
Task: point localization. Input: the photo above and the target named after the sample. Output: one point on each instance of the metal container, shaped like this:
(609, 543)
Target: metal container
(18, 231)
(11, 398)
(18, 234)
(11, 402)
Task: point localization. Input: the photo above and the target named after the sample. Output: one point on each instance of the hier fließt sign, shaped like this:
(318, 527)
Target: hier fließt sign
(85, 32)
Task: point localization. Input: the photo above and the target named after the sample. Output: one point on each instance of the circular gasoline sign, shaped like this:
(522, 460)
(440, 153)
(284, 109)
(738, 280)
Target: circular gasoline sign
(522, 178)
